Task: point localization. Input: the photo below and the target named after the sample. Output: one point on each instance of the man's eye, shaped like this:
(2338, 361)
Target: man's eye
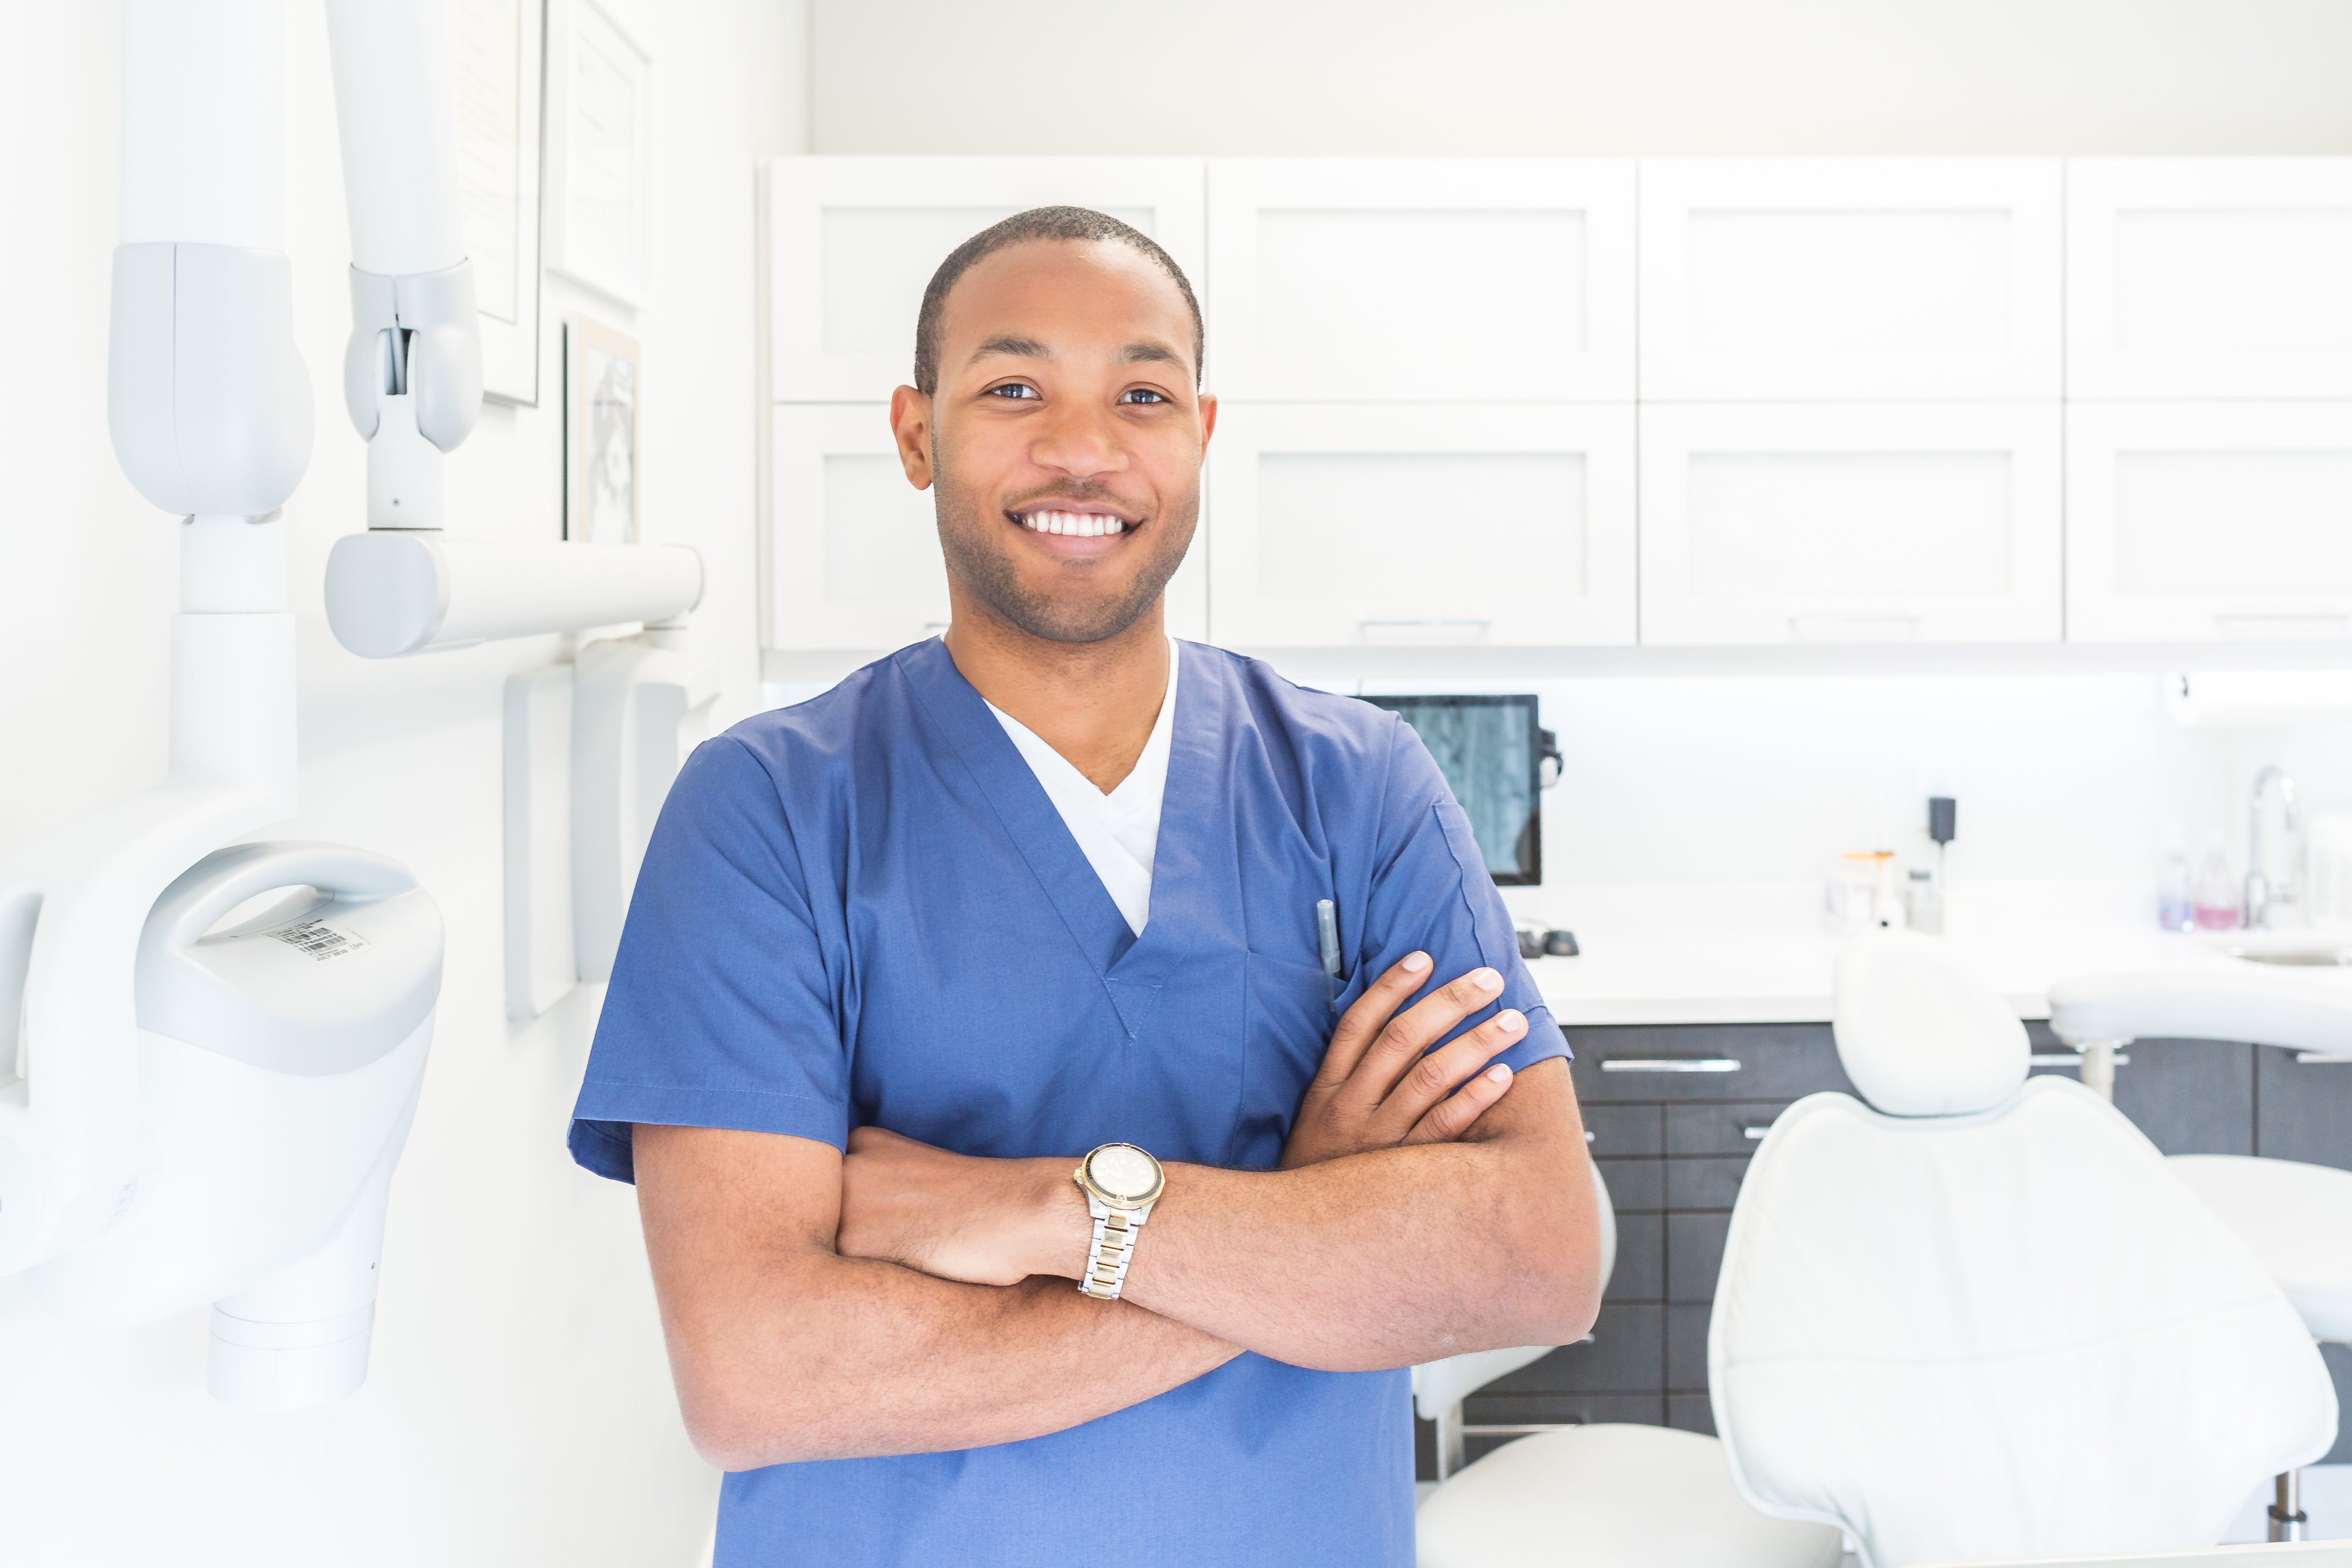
(1014, 390)
(1141, 395)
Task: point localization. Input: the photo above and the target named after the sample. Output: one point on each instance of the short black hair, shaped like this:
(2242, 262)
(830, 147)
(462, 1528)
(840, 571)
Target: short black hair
(1037, 224)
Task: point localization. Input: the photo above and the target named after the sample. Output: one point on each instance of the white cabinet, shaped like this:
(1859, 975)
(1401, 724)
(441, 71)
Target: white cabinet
(1354, 524)
(851, 241)
(2209, 522)
(1888, 523)
(1421, 279)
(853, 555)
(1865, 280)
(2210, 277)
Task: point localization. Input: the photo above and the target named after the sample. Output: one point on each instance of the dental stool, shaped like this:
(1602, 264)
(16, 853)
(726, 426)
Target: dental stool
(2297, 1218)
(1976, 1318)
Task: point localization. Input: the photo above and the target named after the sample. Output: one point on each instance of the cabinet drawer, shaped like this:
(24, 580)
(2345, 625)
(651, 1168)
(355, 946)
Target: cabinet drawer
(853, 240)
(1703, 1181)
(1633, 1064)
(1691, 1413)
(1635, 1186)
(1695, 1255)
(1640, 1274)
(1687, 1345)
(1415, 279)
(1828, 278)
(2303, 1111)
(1719, 1131)
(1765, 524)
(1626, 1355)
(1620, 1129)
(2209, 277)
(2209, 522)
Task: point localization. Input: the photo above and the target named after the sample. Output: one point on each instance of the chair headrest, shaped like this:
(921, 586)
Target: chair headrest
(1921, 1033)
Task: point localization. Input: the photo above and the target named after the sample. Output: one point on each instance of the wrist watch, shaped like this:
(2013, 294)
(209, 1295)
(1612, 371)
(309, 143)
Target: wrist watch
(1122, 1183)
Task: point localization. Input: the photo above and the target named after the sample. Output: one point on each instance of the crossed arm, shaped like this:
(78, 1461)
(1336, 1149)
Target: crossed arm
(907, 1300)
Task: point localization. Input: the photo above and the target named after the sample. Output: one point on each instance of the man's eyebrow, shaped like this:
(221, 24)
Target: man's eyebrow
(1019, 348)
(1150, 353)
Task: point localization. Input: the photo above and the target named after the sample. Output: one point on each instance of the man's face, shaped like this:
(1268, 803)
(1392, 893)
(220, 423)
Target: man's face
(1065, 439)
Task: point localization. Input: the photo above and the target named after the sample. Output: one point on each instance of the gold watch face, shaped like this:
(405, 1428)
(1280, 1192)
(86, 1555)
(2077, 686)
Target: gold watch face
(1123, 1174)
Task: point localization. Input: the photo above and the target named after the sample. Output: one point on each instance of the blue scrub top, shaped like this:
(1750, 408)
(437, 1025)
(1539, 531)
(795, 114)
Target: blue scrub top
(864, 910)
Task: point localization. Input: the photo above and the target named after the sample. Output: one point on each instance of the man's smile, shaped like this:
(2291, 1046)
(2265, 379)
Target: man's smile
(1074, 530)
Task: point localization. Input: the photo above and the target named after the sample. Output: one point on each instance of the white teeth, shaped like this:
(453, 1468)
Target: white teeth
(1081, 525)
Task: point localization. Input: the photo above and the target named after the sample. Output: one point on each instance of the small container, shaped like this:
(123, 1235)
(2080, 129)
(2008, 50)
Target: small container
(1923, 902)
(2217, 904)
(2175, 896)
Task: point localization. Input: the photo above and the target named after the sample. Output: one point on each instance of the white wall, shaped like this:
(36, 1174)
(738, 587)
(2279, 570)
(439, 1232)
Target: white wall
(1657, 77)
(518, 1410)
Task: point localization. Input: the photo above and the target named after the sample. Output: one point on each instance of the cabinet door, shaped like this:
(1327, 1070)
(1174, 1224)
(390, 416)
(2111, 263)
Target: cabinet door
(1422, 279)
(1508, 525)
(2209, 522)
(851, 241)
(1909, 279)
(1850, 523)
(854, 549)
(2209, 277)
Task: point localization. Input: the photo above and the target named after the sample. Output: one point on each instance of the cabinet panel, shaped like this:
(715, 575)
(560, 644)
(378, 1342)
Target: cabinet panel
(1776, 1063)
(1850, 523)
(851, 241)
(2209, 522)
(1640, 1274)
(2303, 1110)
(1635, 1186)
(1422, 279)
(1695, 1255)
(1428, 524)
(1879, 278)
(2209, 277)
(854, 549)
(1627, 1354)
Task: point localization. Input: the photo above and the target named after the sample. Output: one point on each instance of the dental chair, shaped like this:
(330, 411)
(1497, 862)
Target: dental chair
(1976, 1318)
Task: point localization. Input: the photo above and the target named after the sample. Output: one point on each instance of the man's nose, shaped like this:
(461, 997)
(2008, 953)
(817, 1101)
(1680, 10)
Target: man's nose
(1081, 441)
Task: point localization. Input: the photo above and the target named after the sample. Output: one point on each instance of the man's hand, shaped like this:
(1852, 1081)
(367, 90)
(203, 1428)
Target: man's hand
(959, 1216)
(1377, 1090)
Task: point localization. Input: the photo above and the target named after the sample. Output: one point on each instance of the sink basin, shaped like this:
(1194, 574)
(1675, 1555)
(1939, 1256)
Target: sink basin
(2336, 957)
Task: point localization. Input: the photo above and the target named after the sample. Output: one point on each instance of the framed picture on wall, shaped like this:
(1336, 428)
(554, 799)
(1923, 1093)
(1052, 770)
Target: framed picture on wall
(601, 406)
(599, 86)
(497, 48)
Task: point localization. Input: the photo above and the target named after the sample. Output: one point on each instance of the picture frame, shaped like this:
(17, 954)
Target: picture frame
(599, 185)
(603, 413)
(497, 52)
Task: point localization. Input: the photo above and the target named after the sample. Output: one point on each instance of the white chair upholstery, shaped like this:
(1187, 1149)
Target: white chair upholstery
(1996, 1332)
(1629, 1497)
(2298, 1220)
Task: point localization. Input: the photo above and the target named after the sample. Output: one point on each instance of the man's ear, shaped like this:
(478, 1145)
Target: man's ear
(911, 426)
(1208, 402)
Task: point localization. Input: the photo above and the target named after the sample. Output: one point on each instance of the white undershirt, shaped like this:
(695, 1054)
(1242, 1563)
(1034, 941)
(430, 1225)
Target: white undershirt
(1119, 832)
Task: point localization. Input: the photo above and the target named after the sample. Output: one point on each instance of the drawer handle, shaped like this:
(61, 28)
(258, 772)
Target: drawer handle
(2074, 1058)
(1515, 1428)
(1754, 1131)
(1588, 1135)
(2318, 1059)
(1670, 1064)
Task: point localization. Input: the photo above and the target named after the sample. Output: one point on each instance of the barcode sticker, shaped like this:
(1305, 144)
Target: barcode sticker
(318, 939)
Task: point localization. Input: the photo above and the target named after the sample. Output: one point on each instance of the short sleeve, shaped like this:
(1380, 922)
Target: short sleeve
(720, 1012)
(1430, 890)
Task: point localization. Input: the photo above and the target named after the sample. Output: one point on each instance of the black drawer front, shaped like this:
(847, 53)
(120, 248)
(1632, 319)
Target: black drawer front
(1686, 1346)
(1640, 1274)
(1703, 1181)
(1734, 1128)
(1776, 1061)
(1635, 1186)
(1627, 1355)
(1624, 1129)
(1695, 1255)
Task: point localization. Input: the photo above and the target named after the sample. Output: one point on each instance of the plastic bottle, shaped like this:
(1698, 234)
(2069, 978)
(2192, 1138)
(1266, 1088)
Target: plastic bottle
(2217, 906)
(2176, 903)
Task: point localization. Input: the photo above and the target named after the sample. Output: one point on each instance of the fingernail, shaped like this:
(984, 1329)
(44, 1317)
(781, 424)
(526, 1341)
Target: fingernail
(1512, 1020)
(1500, 1072)
(1486, 980)
(1415, 963)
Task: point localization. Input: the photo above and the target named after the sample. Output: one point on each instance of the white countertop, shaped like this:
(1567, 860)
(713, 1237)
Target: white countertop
(1759, 954)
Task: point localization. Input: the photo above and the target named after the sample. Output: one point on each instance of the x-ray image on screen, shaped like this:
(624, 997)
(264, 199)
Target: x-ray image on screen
(1486, 747)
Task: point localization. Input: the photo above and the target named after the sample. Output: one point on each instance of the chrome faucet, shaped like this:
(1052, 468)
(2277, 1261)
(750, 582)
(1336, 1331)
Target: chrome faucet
(2261, 892)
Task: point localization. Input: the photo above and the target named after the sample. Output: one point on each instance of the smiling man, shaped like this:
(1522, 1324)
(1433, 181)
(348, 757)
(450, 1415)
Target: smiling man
(1021, 1183)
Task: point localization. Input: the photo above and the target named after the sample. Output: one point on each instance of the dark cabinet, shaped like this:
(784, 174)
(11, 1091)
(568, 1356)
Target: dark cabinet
(1673, 1126)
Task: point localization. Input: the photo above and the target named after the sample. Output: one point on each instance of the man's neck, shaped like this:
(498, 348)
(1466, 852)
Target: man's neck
(1095, 703)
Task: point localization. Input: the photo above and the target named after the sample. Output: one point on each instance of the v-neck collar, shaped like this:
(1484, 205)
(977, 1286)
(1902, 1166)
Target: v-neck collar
(1131, 966)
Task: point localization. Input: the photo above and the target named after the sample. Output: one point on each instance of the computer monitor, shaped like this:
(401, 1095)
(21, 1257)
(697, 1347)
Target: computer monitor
(1490, 750)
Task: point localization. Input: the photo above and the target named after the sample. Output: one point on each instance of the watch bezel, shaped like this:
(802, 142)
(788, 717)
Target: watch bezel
(1086, 1179)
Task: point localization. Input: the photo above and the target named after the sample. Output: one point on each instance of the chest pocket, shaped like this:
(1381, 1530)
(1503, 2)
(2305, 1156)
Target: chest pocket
(1287, 1023)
